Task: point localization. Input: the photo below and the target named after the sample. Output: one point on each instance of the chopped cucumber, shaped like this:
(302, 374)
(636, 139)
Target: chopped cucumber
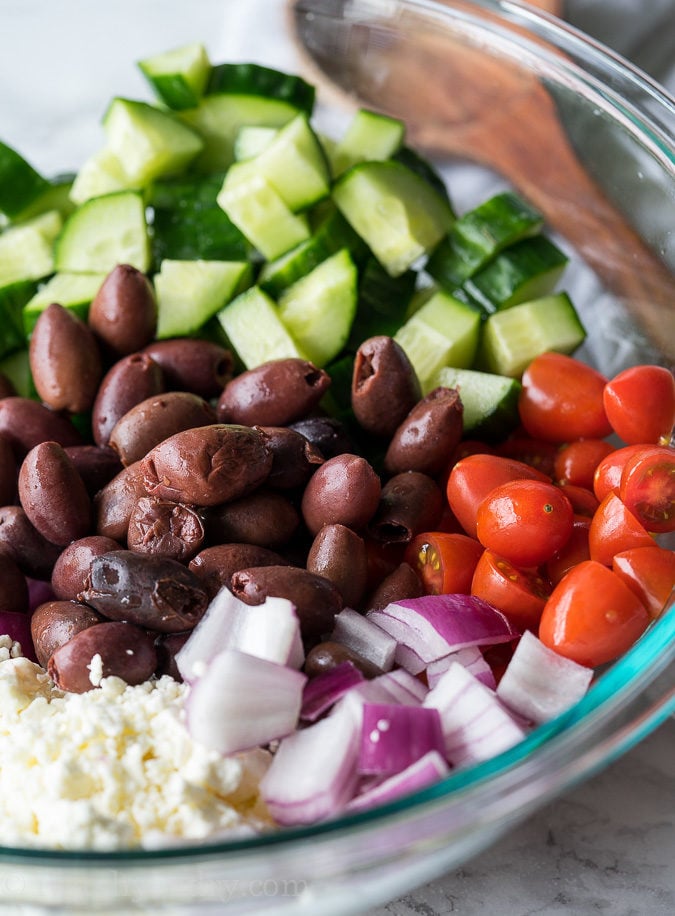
(257, 209)
(395, 211)
(102, 173)
(295, 165)
(490, 401)
(370, 136)
(13, 297)
(243, 321)
(252, 140)
(26, 251)
(514, 337)
(103, 232)
(479, 235)
(527, 270)
(189, 293)
(442, 332)
(16, 366)
(256, 80)
(55, 197)
(382, 303)
(148, 142)
(71, 290)
(20, 184)
(319, 309)
(412, 160)
(179, 76)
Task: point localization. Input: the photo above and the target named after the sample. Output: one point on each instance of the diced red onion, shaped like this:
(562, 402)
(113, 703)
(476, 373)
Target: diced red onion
(408, 659)
(424, 772)
(270, 630)
(397, 686)
(393, 737)
(365, 638)
(539, 684)
(242, 701)
(475, 724)
(313, 773)
(473, 660)
(16, 625)
(324, 690)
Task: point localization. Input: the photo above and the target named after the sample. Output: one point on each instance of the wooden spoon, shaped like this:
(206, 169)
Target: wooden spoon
(458, 101)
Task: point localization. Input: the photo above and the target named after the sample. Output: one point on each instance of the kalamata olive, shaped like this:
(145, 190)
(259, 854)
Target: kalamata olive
(339, 554)
(402, 583)
(316, 600)
(208, 465)
(165, 529)
(385, 387)
(328, 655)
(191, 364)
(328, 434)
(411, 502)
(53, 494)
(96, 466)
(70, 575)
(155, 419)
(8, 471)
(273, 394)
(426, 438)
(26, 423)
(13, 585)
(294, 458)
(7, 389)
(153, 592)
(19, 538)
(215, 565)
(167, 646)
(114, 503)
(265, 518)
(54, 623)
(64, 359)
(343, 491)
(128, 382)
(123, 314)
(109, 649)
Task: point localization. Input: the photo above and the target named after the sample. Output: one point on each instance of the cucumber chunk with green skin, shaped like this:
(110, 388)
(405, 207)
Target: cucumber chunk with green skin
(252, 140)
(56, 196)
(178, 76)
(13, 298)
(20, 183)
(397, 213)
(71, 290)
(295, 165)
(219, 118)
(443, 332)
(102, 173)
(189, 293)
(527, 270)
(490, 402)
(257, 209)
(16, 366)
(26, 250)
(256, 80)
(479, 235)
(319, 309)
(255, 331)
(103, 232)
(512, 338)
(370, 136)
(412, 160)
(382, 302)
(149, 143)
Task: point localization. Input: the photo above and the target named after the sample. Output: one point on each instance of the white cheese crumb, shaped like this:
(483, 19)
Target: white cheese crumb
(95, 668)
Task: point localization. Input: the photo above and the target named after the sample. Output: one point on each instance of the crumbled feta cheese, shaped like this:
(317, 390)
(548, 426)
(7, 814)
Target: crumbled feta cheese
(114, 767)
(9, 648)
(95, 667)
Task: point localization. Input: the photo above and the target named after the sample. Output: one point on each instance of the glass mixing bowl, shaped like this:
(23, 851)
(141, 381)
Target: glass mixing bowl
(499, 95)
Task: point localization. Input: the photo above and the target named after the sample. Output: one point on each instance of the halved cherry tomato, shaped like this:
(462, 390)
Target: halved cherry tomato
(583, 501)
(614, 529)
(525, 521)
(576, 462)
(647, 488)
(650, 573)
(475, 476)
(607, 477)
(561, 400)
(444, 562)
(519, 594)
(592, 616)
(535, 452)
(575, 551)
(640, 404)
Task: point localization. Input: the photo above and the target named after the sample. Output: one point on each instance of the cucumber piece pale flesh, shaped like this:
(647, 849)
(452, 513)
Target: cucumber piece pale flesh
(490, 402)
(254, 329)
(73, 291)
(178, 76)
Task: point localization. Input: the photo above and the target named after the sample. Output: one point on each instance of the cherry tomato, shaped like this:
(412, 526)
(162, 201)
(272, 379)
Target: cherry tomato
(519, 594)
(576, 462)
(583, 501)
(575, 551)
(640, 404)
(525, 521)
(647, 488)
(462, 450)
(444, 562)
(607, 477)
(614, 529)
(592, 616)
(474, 477)
(561, 400)
(650, 573)
(535, 452)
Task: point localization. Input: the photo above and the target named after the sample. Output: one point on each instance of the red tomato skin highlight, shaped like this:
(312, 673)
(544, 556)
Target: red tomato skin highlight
(607, 477)
(575, 551)
(592, 616)
(650, 573)
(647, 488)
(614, 529)
(575, 462)
(444, 561)
(519, 594)
(561, 400)
(625, 397)
(584, 502)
